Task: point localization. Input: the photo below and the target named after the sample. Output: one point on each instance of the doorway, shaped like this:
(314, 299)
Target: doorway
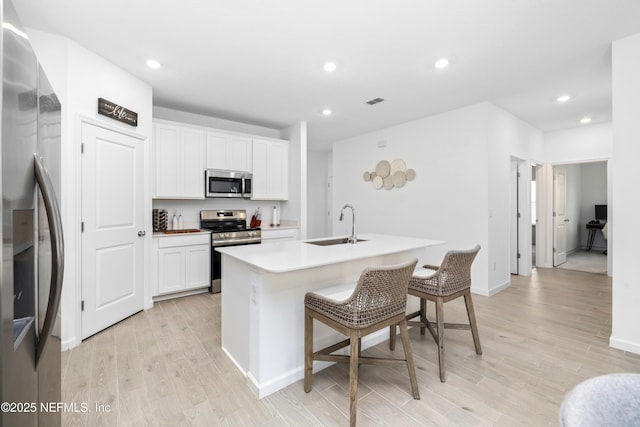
(577, 243)
(112, 227)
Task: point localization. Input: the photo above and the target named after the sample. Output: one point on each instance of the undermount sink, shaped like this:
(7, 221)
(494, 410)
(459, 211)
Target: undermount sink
(329, 242)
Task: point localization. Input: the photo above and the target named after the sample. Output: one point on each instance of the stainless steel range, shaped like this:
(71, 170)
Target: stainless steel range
(228, 228)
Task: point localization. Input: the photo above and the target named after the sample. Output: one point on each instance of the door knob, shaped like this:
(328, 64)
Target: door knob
(142, 233)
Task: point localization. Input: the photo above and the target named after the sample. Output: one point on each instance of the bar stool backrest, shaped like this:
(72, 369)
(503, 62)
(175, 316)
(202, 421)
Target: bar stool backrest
(380, 294)
(455, 270)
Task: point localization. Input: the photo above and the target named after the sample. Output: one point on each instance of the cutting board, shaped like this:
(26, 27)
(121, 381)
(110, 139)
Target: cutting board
(186, 230)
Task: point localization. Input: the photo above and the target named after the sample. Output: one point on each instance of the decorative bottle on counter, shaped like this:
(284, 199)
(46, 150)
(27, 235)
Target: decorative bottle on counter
(174, 222)
(180, 223)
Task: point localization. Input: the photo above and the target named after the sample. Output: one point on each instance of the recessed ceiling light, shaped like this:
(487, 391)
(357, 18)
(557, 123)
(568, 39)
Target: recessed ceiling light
(327, 112)
(585, 120)
(152, 63)
(441, 63)
(330, 67)
(563, 98)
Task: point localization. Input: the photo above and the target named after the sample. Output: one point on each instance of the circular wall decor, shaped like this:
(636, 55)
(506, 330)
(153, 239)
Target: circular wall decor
(387, 182)
(398, 165)
(389, 175)
(382, 168)
(399, 179)
(377, 182)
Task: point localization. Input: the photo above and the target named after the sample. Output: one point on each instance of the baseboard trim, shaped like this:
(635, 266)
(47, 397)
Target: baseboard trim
(69, 344)
(630, 346)
(164, 297)
(492, 291)
(296, 374)
(234, 361)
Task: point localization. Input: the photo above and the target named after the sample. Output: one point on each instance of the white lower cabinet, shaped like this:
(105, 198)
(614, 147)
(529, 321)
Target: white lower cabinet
(182, 263)
(279, 234)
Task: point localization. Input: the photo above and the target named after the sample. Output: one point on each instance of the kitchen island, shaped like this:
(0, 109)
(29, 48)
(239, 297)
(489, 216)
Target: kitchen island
(263, 288)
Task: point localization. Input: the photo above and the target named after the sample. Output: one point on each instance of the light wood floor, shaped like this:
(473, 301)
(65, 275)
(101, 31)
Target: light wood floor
(540, 337)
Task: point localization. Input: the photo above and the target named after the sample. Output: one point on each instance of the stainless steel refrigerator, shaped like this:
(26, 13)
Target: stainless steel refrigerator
(32, 242)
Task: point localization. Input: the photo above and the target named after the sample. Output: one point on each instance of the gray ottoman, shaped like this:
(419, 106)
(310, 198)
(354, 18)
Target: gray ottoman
(607, 400)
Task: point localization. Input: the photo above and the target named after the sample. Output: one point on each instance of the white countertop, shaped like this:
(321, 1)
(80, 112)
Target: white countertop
(281, 257)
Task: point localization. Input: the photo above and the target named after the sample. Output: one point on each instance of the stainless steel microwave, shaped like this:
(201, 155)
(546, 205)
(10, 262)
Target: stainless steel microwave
(222, 183)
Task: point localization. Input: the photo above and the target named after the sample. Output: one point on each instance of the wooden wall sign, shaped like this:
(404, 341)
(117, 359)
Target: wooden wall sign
(117, 112)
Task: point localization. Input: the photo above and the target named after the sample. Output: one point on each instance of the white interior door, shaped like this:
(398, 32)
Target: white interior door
(112, 215)
(559, 215)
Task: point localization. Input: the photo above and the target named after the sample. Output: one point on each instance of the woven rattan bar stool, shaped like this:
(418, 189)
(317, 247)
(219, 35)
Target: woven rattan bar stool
(450, 280)
(379, 300)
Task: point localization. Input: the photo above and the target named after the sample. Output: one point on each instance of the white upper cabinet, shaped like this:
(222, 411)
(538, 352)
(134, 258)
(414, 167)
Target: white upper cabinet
(270, 170)
(183, 152)
(179, 161)
(229, 152)
(192, 162)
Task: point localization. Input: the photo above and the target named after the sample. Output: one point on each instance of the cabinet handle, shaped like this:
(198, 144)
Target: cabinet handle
(142, 233)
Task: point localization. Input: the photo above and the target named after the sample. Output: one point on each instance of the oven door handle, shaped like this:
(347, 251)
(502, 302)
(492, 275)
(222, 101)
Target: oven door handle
(236, 242)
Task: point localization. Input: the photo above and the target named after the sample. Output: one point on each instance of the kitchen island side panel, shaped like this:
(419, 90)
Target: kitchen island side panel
(234, 310)
(264, 331)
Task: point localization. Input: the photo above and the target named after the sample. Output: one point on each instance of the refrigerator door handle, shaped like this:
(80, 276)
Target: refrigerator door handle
(57, 253)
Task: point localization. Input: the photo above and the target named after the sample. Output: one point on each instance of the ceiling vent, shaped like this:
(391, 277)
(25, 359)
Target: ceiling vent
(375, 101)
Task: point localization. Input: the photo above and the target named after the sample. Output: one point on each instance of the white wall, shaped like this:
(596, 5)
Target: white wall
(508, 137)
(446, 201)
(625, 176)
(80, 77)
(317, 168)
(213, 122)
(461, 192)
(580, 144)
(295, 208)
